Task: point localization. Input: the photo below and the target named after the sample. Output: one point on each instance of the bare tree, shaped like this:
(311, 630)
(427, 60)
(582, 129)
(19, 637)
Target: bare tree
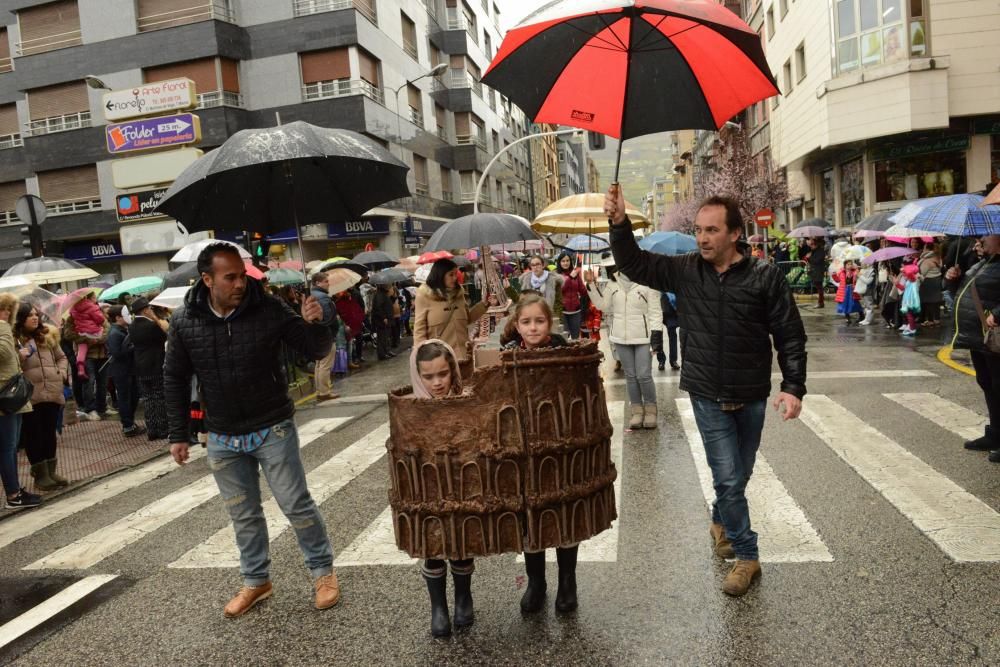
(737, 174)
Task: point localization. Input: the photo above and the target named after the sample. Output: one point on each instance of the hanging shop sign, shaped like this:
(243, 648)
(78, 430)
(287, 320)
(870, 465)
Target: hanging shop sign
(149, 99)
(359, 228)
(138, 135)
(897, 151)
(94, 251)
(135, 172)
(135, 206)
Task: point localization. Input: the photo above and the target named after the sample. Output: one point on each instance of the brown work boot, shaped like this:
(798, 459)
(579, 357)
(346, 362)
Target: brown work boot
(246, 599)
(740, 577)
(327, 591)
(723, 547)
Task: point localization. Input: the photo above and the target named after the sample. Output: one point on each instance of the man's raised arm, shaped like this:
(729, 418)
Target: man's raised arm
(641, 267)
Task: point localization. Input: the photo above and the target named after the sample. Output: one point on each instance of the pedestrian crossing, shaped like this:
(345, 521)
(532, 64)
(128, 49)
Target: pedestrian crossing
(961, 525)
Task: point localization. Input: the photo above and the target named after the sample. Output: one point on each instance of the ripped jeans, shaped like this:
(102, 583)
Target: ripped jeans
(236, 474)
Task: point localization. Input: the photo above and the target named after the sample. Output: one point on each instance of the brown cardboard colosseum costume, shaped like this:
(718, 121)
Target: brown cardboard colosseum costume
(520, 462)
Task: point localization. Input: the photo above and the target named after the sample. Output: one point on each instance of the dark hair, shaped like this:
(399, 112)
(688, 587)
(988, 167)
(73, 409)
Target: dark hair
(23, 310)
(734, 219)
(208, 253)
(115, 313)
(559, 268)
(435, 279)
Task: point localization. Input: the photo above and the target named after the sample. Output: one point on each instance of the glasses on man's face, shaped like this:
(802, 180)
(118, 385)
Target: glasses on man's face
(534, 264)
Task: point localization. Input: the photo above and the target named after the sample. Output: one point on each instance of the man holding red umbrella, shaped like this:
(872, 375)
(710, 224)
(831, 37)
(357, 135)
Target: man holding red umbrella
(730, 307)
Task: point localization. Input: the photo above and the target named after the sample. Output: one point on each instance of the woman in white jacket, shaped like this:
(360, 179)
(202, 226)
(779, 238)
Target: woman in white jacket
(635, 313)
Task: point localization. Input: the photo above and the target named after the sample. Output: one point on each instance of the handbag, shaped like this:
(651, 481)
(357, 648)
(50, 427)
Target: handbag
(991, 339)
(15, 393)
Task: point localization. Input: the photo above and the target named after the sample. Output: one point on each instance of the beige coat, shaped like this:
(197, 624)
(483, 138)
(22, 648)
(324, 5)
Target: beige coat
(10, 360)
(47, 370)
(445, 319)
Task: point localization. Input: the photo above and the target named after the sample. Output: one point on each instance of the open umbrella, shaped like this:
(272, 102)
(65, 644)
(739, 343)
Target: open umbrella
(389, 277)
(257, 274)
(993, 198)
(876, 222)
(172, 298)
(190, 252)
(284, 277)
(580, 214)
(375, 259)
(431, 257)
(902, 234)
(885, 254)
(45, 270)
(360, 269)
(183, 276)
(480, 229)
(137, 285)
(812, 228)
(585, 243)
(660, 64)
(45, 301)
(905, 215)
(669, 243)
(341, 279)
(957, 215)
(266, 180)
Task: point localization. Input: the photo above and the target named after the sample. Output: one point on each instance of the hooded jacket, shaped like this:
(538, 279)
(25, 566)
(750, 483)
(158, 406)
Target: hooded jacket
(417, 384)
(634, 309)
(986, 277)
(729, 320)
(446, 319)
(46, 369)
(237, 359)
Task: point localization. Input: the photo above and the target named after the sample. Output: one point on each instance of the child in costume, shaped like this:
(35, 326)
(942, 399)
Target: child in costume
(908, 284)
(847, 304)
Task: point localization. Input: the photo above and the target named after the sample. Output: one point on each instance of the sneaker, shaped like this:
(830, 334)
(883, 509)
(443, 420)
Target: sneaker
(92, 416)
(80, 414)
(134, 431)
(110, 411)
(904, 327)
(24, 499)
(910, 332)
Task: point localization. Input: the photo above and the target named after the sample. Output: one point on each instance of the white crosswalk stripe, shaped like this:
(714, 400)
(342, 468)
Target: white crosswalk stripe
(786, 534)
(31, 619)
(817, 375)
(323, 481)
(95, 547)
(961, 421)
(964, 527)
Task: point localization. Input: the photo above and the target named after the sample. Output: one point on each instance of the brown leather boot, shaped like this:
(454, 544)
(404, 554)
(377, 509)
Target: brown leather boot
(246, 599)
(723, 547)
(738, 581)
(327, 591)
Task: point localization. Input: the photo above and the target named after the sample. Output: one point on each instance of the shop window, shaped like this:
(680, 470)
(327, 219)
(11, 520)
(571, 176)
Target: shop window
(827, 195)
(852, 192)
(920, 176)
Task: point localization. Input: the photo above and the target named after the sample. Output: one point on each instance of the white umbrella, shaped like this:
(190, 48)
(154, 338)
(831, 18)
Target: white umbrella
(190, 252)
(905, 215)
(172, 298)
(424, 270)
(341, 279)
(10, 283)
(45, 270)
(903, 232)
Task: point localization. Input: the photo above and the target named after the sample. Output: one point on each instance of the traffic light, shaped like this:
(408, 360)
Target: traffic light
(596, 141)
(32, 241)
(259, 247)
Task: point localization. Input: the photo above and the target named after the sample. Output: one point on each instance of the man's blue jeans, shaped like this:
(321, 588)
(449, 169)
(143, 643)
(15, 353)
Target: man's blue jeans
(236, 473)
(95, 387)
(731, 440)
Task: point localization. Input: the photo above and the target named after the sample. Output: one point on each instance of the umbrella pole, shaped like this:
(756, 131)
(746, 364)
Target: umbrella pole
(298, 230)
(618, 161)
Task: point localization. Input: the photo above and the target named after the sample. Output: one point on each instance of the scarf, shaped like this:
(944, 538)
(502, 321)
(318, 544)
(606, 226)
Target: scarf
(536, 282)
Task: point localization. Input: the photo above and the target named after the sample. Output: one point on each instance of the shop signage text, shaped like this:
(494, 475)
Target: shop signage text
(897, 151)
(133, 206)
(137, 135)
(95, 251)
(373, 227)
(149, 99)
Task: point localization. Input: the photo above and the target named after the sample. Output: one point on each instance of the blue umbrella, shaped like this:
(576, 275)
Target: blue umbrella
(669, 243)
(958, 215)
(586, 243)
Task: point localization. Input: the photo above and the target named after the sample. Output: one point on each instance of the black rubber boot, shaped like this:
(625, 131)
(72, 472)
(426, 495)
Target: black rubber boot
(566, 595)
(437, 587)
(985, 443)
(462, 576)
(534, 595)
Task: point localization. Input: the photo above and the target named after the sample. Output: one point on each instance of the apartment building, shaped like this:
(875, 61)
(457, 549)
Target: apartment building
(545, 168)
(572, 172)
(355, 64)
(882, 102)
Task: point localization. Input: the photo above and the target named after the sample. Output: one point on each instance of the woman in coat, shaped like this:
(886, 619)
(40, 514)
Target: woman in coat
(48, 371)
(441, 311)
(931, 290)
(573, 292)
(10, 425)
(540, 279)
(635, 313)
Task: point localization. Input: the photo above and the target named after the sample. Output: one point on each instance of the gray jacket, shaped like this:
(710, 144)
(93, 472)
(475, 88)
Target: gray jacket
(552, 282)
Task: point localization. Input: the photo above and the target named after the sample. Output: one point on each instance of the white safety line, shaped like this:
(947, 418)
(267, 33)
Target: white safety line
(323, 481)
(603, 547)
(813, 375)
(785, 534)
(95, 547)
(950, 416)
(31, 619)
(964, 527)
(376, 545)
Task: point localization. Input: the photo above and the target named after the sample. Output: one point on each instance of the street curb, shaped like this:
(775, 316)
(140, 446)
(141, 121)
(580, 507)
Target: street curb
(944, 356)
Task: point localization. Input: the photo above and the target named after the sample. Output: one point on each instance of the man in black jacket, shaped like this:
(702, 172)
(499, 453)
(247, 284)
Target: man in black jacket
(229, 333)
(148, 335)
(730, 307)
(122, 372)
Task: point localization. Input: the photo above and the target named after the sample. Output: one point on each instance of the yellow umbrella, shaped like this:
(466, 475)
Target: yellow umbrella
(581, 214)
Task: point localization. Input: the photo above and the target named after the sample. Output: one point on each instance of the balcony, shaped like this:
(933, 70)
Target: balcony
(6, 65)
(63, 40)
(442, 133)
(322, 90)
(456, 21)
(219, 10)
(415, 117)
(410, 48)
(421, 188)
(471, 140)
(460, 78)
(71, 206)
(219, 98)
(448, 195)
(8, 218)
(72, 121)
(10, 141)
(306, 7)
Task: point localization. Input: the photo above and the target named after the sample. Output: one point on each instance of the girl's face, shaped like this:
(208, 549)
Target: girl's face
(451, 279)
(436, 376)
(848, 265)
(31, 322)
(534, 326)
(565, 263)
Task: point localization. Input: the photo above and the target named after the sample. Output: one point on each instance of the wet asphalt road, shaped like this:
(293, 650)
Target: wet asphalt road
(890, 596)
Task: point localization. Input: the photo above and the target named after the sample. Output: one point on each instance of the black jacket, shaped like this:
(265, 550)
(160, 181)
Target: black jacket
(986, 277)
(148, 340)
(122, 353)
(729, 320)
(237, 359)
(381, 307)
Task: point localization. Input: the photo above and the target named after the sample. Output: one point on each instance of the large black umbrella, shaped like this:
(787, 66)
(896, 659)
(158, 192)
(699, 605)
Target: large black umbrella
(270, 179)
(877, 222)
(480, 229)
(389, 277)
(183, 276)
(360, 269)
(375, 259)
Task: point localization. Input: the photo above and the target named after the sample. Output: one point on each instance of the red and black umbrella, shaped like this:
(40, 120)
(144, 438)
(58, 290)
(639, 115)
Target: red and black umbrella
(626, 68)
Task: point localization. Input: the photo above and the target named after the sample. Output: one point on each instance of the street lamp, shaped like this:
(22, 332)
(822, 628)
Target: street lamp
(96, 83)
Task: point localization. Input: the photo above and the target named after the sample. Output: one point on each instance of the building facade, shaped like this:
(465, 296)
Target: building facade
(881, 104)
(545, 168)
(572, 171)
(354, 64)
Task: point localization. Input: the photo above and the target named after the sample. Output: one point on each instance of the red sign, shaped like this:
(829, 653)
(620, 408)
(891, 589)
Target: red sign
(764, 217)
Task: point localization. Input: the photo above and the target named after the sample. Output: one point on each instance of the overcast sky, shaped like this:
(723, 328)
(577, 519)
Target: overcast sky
(512, 11)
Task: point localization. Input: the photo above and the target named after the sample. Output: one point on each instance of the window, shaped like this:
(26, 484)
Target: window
(488, 45)
(918, 28)
(783, 6)
(827, 195)
(920, 176)
(6, 64)
(71, 190)
(10, 128)
(786, 76)
(441, 120)
(770, 22)
(496, 142)
(852, 192)
(447, 191)
(216, 79)
(368, 68)
(871, 32)
(800, 61)
(420, 175)
(562, 156)
(409, 35)
(55, 25)
(9, 194)
(158, 14)
(58, 108)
